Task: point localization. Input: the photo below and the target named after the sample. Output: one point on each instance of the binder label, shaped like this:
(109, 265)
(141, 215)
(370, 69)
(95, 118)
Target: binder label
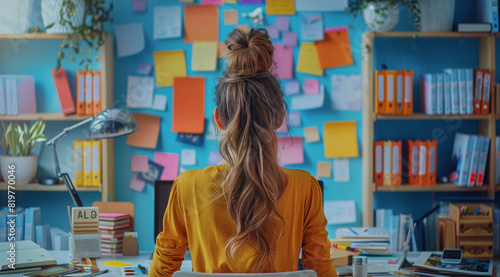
(395, 159)
(378, 156)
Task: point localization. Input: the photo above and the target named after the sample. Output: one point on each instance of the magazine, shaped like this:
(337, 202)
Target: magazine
(467, 266)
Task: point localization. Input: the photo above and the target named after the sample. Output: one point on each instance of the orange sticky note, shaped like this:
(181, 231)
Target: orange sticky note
(188, 115)
(335, 49)
(324, 169)
(169, 64)
(222, 50)
(201, 23)
(148, 130)
(230, 17)
(311, 134)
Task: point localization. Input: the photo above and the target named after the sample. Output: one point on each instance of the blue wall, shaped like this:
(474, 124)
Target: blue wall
(423, 55)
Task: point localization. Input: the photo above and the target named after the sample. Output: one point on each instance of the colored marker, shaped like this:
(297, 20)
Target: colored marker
(463, 210)
(345, 247)
(352, 230)
(477, 211)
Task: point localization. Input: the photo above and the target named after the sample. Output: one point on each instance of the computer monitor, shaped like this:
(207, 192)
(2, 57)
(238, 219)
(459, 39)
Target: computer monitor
(162, 194)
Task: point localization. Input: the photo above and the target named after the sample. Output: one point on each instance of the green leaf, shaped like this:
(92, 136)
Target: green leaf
(81, 63)
(50, 26)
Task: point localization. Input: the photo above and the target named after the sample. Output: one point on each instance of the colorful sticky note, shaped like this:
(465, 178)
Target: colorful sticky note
(139, 163)
(321, 5)
(129, 39)
(170, 163)
(222, 50)
(144, 68)
(140, 92)
(292, 87)
(244, 28)
(275, 7)
(282, 23)
(169, 64)
(148, 130)
(294, 119)
(290, 39)
(341, 171)
(188, 115)
(137, 184)
(153, 174)
(335, 49)
(212, 2)
(311, 86)
(214, 158)
(346, 93)
(308, 60)
(201, 23)
(115, 263)
(188, 157)
(312, 26)
(283, 128)
(324, 169)
(283, 57)
(340, 139)
(139, 5)
(230, 17)
(167, 22)
(191, 139)
(230, 1)
(255, 2)
(311, 134)
(160, 102)
(290, 150)
(204, 56)
(309, 101)
(272, 31)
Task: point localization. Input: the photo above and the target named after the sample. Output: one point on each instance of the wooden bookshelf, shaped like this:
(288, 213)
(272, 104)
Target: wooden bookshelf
(33, 36)
(44, 116)
(39, 187)
(422, 116)
(437, 187)
(430, 35)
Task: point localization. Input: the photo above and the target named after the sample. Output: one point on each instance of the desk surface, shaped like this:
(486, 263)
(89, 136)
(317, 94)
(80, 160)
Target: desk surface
(143, 259)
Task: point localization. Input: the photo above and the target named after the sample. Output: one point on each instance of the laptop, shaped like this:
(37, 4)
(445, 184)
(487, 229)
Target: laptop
(403, 262)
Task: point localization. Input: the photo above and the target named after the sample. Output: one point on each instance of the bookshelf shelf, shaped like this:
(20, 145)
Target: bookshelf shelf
(38, 187)
(33, 36)
(431, 35)
(44, 116)
(422, 116)
(438, 187)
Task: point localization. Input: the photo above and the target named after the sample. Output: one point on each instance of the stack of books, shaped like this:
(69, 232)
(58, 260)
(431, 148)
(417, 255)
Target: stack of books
(370, 240)
(112, 227)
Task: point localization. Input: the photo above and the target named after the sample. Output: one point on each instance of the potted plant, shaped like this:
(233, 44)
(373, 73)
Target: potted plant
(17, 143)
(383, 15)
(83, 21)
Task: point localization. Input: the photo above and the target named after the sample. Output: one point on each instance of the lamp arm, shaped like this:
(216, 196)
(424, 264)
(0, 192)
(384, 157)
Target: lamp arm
(67, 129)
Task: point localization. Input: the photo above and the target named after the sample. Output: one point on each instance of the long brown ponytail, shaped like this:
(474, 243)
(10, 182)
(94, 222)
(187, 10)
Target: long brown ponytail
(251, 105)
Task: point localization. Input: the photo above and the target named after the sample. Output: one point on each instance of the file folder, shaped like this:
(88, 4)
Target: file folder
(391, 87)
(87, 163)
(96, 163)
(379, 158)
(13, 87)
(400, 92)
(483, 159)
(64, 91)
(380, 91)
(396, 162)
(462, 90)
(469, 88)
(3, 107)
(439, 93)
(447, 93)
(78, 146)
(80, 92)
(408, 92)
(474, 161)
(422, 162)
(387, 163)
(96, 92)
(431, 162)
(478, 90)
(413, 162)
(428, 94)
(88, 93)
(485, 108)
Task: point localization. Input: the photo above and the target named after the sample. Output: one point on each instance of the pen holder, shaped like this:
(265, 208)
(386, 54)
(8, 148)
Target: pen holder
(84, 246)
(130, 246)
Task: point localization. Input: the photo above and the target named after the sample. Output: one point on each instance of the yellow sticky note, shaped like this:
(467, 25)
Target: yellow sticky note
(324, 169)
(311, 134)
(115, 263)
(244, 28)
(274, 7)
(340, 139)
(169, 64)
(308, 59)
(204, 56)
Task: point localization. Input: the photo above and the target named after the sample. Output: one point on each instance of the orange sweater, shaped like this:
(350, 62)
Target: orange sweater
(193, 219)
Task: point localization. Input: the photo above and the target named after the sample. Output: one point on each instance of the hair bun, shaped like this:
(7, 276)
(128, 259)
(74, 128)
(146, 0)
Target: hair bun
(249, 52)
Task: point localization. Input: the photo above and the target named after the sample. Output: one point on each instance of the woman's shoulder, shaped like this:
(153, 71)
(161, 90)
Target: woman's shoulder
(301, 178)
(199, 176)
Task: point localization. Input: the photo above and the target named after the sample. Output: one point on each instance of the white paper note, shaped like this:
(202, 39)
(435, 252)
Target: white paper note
(167, 22)
(129, 39)
(160, 102)
(340, 212)
(341, 170)
(140, 92)
(346, 92)
(309, 101)
(188, 157)
(320, 5)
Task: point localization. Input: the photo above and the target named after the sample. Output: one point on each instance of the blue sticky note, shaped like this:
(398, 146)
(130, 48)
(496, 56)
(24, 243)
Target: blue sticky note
(144, 68)
(282, 23)
(192, 139)
(129, 39)
(214, 158)
(290, 39)
(273, 31)
(312, 26)
(308, 101)
(292, 87)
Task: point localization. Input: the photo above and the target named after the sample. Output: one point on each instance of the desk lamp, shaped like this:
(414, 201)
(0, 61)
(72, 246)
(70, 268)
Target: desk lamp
(109, 123)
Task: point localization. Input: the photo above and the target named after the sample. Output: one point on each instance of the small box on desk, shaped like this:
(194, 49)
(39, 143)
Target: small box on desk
(476, 248)
(471, 224)
(84, 246)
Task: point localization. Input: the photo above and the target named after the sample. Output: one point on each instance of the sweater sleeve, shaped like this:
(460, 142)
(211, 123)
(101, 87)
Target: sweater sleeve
(316, 245)
(171, 244)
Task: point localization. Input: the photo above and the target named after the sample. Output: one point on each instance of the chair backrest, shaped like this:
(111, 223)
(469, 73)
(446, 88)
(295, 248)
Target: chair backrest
(301, 273)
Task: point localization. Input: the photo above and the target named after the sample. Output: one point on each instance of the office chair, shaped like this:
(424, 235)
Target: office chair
(301, 273)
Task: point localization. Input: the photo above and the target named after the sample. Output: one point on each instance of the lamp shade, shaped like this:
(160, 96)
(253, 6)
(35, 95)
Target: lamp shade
(112, 123)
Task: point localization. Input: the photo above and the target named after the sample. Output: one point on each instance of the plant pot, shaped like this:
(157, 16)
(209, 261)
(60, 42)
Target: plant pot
(381, 18)
(436, 15)
(18, 16)
(25, 168)
(50, 14)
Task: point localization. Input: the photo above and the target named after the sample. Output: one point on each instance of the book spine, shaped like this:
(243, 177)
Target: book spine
(469, 76)
(440, 93)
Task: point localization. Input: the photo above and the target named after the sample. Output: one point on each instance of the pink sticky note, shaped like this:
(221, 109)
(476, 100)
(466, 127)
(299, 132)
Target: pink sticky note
(137, 184)
(170, 163)
(290, 150)
(214, 158)
(211, 2)
(311, 86)
(140, 163)
(284, 61)
(144, 68)
(273, 31)
(294, 119)
(283, 128)
(292, 87)
(290, 39)
(139, 5)
(282, 23)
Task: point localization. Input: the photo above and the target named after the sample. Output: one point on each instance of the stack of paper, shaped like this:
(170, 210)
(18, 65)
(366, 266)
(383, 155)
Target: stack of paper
(370, 240)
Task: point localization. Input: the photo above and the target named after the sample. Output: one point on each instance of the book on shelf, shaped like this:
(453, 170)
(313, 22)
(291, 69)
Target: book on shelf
(469, 158)
(474, 27)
